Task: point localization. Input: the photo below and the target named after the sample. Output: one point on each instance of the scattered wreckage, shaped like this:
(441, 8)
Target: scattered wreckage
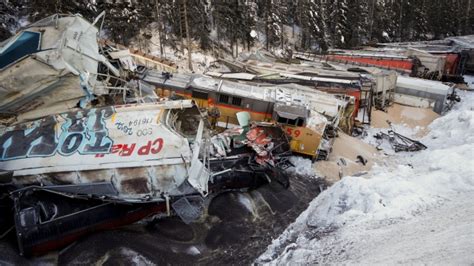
(444, 60)
(91, 169)
(397, 141)
(386, 87)
(310, 117)
(425, 94)
(86, 143)
(43, 66)
(85, 146)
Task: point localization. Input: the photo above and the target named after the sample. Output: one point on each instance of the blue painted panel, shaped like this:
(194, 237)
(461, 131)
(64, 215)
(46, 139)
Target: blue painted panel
(27, 43)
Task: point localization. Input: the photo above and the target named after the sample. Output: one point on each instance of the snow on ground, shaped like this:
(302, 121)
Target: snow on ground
(302, 166)
(201, 62)
(417, 211)
(439, 235)
(469, 81)
(402, 129)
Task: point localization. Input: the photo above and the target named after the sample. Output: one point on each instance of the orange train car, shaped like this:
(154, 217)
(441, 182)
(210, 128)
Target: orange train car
(395, 63)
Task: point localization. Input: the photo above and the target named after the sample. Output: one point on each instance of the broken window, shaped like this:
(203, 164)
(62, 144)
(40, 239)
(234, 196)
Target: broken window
(26, 43)
(282, 120)
(236, 101)
(299, 122)
(291, 122)
(185, 121)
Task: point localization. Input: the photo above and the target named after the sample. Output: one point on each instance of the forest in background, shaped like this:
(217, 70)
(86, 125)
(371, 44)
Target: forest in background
(303, 24)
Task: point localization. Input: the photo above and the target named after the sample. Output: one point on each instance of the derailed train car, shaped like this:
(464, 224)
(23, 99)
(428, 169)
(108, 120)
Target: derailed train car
(82, 149)
(445, 60)
(52, 65)
(73, 173)
(309, 117)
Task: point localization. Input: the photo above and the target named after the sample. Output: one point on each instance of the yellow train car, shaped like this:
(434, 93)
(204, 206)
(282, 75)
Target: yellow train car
(290, 108)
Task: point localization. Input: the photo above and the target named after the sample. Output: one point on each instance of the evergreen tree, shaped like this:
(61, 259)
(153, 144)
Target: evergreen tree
(249, 22)
(313, 23)
(124, 20)
(323, 23)
(301, 20)
(339, 24)
(419, 25)
(170, 17)
(270, 12)
(468, 18)
(385, 25)
(39, 9)
(199, 22)
(358, 16)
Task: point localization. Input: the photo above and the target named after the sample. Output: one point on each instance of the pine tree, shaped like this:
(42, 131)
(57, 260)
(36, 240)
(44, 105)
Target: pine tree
(313, 24)
(323, 23)
(339, 24)
(39, 9)
(124, 20)
(249, 22)
(198, 17)
(358, 16)
(171, 19)
(302, 21)
(468, 18)
(270, 13)
(419, 24)
(385, 22)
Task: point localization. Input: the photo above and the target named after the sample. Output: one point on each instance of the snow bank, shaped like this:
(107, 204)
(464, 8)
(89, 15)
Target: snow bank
(418, 182)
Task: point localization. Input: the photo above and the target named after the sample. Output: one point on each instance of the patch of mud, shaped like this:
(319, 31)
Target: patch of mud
(412, 117)
(345, 159)
(237, 228)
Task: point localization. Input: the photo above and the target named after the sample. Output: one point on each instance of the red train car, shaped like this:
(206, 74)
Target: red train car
(404, 64)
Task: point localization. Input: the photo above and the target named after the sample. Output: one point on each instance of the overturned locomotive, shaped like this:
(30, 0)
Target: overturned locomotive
(84, 146)
(68, 174)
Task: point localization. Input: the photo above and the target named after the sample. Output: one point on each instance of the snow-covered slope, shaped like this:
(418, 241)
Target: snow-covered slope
(388, 210)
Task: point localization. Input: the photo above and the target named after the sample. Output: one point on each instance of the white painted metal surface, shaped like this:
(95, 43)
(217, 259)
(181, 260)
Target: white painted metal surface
(240, 76)
(68, 47)
(424, 85)
(198, 173)
(110, 137)
(322, 79)
(413, 101)
(137, 148)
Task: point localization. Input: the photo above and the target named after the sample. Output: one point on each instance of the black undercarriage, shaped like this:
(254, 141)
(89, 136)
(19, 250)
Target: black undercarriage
(47, 218)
